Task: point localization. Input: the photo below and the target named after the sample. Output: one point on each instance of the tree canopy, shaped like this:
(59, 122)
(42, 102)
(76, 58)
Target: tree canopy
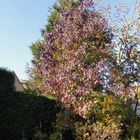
(91, 66)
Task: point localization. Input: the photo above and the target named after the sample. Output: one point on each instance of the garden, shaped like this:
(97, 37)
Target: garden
(84, 83)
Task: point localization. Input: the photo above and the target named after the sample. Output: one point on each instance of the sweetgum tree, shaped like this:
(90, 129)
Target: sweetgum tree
(74, 54)
(35, 80)
(80, 56)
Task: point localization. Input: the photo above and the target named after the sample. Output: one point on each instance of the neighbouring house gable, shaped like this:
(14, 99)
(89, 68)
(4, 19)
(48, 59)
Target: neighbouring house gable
(18, 85)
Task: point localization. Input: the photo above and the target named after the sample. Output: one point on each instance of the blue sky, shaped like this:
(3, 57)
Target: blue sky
(20, 25)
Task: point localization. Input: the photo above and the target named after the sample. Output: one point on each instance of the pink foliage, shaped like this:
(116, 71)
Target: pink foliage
(80, 35)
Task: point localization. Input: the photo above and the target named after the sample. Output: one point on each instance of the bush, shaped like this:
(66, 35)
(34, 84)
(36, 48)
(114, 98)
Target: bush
(110, 117)
(20, 111)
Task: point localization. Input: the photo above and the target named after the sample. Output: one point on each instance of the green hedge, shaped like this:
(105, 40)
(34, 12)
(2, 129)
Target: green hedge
(21, 112)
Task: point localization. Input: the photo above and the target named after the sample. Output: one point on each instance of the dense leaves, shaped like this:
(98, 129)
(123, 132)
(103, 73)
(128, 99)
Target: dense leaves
(23, 112)
(74, 53)
(92, 67)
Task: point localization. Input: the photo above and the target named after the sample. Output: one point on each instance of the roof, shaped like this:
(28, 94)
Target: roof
(18, 85)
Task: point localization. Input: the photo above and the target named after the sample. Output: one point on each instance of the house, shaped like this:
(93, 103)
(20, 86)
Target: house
(18, 85)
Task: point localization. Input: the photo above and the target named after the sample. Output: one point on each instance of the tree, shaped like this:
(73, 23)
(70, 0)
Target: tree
(74, 54)
(125, 24)
(35, 80)
(77, 60)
